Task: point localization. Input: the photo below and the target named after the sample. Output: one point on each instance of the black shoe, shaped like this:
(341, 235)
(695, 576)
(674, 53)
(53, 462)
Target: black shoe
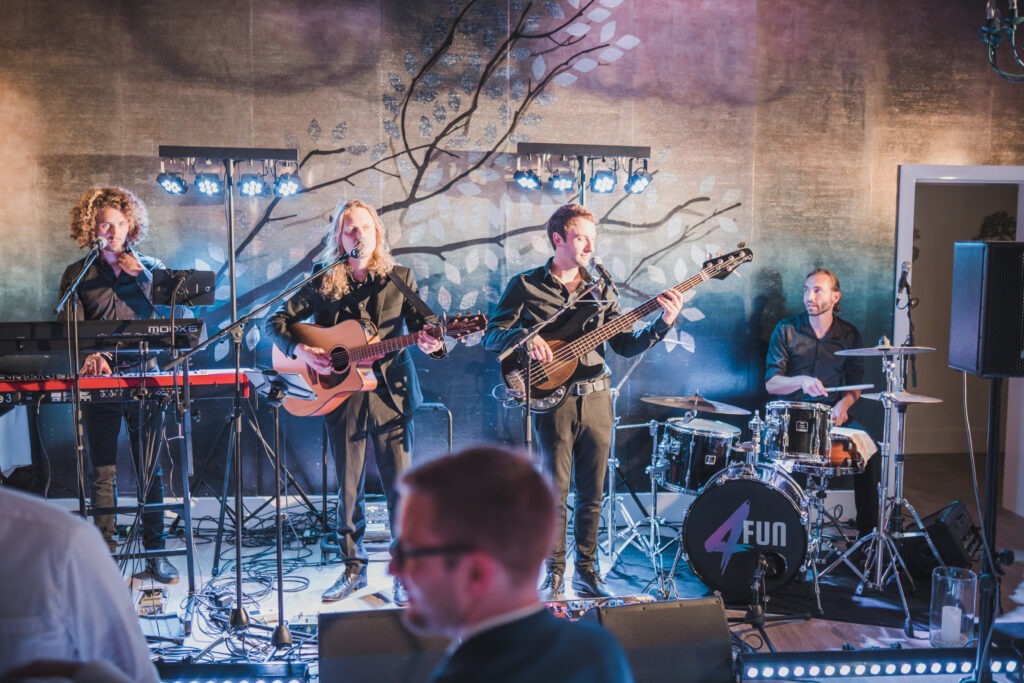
(351, 580)
(552, 588)
(400, 595)
(161, 569)
(588, 584)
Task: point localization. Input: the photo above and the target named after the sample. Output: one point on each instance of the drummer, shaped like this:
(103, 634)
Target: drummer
(802, 363)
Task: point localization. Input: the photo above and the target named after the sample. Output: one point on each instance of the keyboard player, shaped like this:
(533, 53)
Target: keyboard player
(118, 285)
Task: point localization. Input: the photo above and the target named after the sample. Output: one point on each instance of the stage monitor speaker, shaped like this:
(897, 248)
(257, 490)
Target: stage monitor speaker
(986, 322)
(954, 534)
(370, 646)
(672, 641)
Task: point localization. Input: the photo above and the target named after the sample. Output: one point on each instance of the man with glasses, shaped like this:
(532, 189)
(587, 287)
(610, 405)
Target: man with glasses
(474, 529)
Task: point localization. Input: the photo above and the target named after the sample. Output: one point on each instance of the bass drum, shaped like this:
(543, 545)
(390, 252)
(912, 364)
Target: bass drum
(746, 513)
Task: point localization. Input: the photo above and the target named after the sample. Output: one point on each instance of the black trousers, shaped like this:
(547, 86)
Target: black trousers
(366, 418)
(102, 428)
(575, 440)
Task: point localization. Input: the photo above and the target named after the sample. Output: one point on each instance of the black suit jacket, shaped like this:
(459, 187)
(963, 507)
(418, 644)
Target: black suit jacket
(539, 647)
(378, 301)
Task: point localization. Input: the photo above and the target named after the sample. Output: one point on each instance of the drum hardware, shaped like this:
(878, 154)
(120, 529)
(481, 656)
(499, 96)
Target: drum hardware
(695, 402)
(612, 502)
(883, 560)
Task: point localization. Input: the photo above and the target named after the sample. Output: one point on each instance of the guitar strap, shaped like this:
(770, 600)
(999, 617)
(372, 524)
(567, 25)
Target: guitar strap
(418, 303)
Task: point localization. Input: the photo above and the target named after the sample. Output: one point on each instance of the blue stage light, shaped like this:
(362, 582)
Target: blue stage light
(287, 185)
(561, 182)
(637, 182)
(602, 182)
(172, 183)
(252, 185)
(209, 184)
(526, 179)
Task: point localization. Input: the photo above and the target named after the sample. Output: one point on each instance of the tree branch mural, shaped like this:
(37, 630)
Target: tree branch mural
(476, 85)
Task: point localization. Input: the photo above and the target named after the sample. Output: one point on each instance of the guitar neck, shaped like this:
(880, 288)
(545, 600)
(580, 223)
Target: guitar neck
(383, 347)
(595, 338)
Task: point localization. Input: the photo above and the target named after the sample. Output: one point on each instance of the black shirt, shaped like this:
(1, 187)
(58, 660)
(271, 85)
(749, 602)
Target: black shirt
(794, 349)
(102, 295)
(534, 295)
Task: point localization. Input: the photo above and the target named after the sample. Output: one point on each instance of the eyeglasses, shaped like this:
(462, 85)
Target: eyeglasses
(401, 554)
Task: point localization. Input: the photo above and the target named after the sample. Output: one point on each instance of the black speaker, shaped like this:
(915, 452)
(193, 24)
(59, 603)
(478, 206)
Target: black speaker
(954, 534)
(672, 641)
(371, 646)
(986, 322)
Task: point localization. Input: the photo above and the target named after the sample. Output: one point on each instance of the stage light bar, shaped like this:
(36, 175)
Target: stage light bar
(282, 672)
(527, 179)
(799, 666)
(209, 184)
(172, 183)
(602, 181)
(287, 185)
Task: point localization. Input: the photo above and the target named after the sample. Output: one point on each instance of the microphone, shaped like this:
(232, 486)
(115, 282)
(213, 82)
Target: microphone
(596, 264)
(904, 272)
(356, 251)
(99, 244)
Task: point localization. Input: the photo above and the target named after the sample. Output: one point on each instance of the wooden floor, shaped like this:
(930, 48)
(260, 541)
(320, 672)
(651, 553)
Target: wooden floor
(932, 482)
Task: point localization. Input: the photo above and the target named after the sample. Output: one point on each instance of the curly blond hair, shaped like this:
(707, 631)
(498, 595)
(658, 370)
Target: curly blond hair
(337, 283)
(83, 215)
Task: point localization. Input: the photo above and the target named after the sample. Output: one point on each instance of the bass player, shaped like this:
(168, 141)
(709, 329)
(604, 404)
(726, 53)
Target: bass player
(361, 289)
(574, 435)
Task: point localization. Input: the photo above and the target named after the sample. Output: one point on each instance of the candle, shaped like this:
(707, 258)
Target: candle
(951, 625)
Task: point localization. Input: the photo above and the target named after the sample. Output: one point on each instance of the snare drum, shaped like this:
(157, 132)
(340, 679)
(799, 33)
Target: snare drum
(798, 431)
(746, 513)
(843, 458)
(694, 450)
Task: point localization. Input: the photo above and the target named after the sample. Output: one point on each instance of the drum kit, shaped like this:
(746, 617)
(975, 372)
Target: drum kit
(752, 528)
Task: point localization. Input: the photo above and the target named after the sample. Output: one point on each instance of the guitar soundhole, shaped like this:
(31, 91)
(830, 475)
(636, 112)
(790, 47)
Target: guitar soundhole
(340, 359)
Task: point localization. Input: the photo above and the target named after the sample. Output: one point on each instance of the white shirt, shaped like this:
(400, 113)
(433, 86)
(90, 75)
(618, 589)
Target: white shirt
(61, 595)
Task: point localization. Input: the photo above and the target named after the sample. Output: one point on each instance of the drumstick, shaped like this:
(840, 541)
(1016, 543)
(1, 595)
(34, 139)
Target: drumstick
(850, 387)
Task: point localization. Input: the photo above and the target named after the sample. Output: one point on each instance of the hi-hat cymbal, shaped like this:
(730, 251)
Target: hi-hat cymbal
(695, 402)
(902, 398)
(885, 350)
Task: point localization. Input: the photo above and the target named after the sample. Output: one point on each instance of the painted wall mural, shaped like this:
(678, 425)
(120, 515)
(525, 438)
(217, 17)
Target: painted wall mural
(417, 108)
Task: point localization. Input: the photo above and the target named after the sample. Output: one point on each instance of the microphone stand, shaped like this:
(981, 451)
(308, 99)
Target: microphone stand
(239, 619)
(74, 367)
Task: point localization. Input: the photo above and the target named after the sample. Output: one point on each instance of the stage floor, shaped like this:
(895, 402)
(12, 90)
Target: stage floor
(872, 620)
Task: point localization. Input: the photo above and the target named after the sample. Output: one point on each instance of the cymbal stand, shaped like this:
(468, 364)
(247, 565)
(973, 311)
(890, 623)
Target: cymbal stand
(883, 560)
(612, 502)
(649, 542)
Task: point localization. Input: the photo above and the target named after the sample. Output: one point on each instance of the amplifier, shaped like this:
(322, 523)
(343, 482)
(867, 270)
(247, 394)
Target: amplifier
(955, 535)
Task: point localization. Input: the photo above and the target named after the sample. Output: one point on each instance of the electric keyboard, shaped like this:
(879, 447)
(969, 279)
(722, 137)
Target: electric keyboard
(203, 384)
(50, 336)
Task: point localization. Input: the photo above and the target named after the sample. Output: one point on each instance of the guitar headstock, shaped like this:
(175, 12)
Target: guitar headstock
(464, 325)
(721, 266)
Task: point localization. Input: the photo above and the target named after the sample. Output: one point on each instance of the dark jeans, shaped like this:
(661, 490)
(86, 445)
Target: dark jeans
(574, 440)
(366, 418)
(102, 427)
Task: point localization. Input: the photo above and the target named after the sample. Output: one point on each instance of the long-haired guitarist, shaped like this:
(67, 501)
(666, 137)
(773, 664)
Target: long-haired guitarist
(575, 434)
(361, 290)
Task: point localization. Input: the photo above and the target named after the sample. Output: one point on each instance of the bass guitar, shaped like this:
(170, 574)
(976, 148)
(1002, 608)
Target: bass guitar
(353, 348)
(549, 381)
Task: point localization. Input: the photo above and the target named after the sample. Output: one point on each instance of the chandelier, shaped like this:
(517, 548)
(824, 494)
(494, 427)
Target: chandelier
(998, 30)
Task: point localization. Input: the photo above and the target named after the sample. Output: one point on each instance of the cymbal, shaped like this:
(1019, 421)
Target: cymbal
(903, 398)
(885, 350)
(695, 402)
